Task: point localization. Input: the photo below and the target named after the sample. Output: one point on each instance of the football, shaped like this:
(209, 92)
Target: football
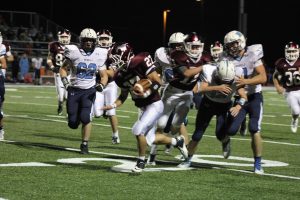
(142, 87)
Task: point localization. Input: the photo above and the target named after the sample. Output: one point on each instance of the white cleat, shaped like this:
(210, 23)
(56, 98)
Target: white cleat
(185, 164)
(2, 134)
(259, 171)
(294, 125)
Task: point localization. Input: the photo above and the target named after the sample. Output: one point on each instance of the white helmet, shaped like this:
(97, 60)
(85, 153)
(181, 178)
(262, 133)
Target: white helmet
(291, 51)
(64, 36)
(234, 42)
(226, 71)
(88, 35)
(193, 45)
(104, 38)
(176, 41)
(216, 50)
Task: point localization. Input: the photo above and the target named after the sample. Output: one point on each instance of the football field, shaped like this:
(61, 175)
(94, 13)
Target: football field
(39, 158)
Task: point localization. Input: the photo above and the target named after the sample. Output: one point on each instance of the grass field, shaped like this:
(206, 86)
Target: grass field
(39, 157)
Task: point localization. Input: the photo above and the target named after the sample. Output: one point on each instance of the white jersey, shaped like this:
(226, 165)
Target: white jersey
(250, 60)
(2, 50)
(163, 59)
(209, 75)
(85, 66)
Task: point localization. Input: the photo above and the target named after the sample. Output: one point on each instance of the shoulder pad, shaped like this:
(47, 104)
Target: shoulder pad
(256, 50)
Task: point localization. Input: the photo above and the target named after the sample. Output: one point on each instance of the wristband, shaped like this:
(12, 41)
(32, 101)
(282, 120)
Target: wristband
(241, 101)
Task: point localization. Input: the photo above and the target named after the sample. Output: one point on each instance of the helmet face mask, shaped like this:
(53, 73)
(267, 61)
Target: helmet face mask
(193, 45)
(88, 39)
(125, 51)
(104, 38)
(235, 43)
(176, 41)
(291, 51)
(216, 50)
(64, 37)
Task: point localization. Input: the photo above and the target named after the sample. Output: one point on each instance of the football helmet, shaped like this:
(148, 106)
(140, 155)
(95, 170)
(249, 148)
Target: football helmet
(193, 45)
(1, 38)
(291, 51)
(234, 43)
(216, 50)
(124, 51)
(226, 71)
(64, 36)
(104, 38)
(176, 41)
(88, 39)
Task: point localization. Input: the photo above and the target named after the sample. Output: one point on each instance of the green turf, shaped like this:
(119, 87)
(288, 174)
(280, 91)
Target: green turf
(34, 133)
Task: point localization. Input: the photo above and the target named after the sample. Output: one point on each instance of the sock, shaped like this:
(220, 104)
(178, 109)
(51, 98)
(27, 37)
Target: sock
(173, 141)
(141, 157)
(115, 134)
(257, 162)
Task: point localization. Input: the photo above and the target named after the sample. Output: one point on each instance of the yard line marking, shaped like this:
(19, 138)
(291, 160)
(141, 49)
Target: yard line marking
(129, 128)
(194, 164)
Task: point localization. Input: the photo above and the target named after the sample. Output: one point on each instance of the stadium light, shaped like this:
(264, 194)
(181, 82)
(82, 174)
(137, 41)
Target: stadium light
(165, 15)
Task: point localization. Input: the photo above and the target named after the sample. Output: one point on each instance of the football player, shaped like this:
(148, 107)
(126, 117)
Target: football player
(55, 60)
(218, 87)
(83, 62)
(216, 49)
(164, 63)
(178, 94)
(250, 60)
(110, 93)
(3, 65)
(286, 78)
(131, 69)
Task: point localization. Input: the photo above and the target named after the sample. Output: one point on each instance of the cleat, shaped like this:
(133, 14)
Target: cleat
(294, 125)
(2, 134)
(84, 149)
(168, 149)
(115, 140)
(226, 149)
(59, 110)
(181, 146)
(259, 171)
(140, 165)
(185, 164)
(151, 160)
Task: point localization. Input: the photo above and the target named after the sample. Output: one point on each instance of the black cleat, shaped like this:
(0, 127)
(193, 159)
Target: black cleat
(84, 149)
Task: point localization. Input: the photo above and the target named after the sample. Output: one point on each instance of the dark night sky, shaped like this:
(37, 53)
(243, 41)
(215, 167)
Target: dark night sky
(140, 22)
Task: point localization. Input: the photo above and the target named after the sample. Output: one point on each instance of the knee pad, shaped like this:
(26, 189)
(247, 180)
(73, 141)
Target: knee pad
(73, 125)
(85, 119)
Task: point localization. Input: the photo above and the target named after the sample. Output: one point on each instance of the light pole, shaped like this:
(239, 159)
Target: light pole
(165, 14)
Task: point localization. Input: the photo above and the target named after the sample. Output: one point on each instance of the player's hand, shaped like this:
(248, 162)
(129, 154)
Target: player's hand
(65, 82)
(225, 89)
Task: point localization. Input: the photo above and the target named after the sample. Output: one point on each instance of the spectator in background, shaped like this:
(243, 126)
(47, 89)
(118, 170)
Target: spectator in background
(37, 64)
(24, 66)
(15, 67)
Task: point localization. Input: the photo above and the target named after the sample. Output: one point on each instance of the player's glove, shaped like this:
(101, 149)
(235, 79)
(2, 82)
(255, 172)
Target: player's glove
(99, 87)
(65, 81)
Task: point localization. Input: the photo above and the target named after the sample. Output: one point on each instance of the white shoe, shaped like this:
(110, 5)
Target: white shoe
(2, 134)
(140, 165)
(185, 164)
(259, 171)
(115, 140)
(294, 125)
(181, 146)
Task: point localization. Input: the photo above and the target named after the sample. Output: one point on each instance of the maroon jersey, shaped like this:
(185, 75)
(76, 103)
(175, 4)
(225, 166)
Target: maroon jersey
(182, 62)
(289, 74)
(138, 68)
(57, 53)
